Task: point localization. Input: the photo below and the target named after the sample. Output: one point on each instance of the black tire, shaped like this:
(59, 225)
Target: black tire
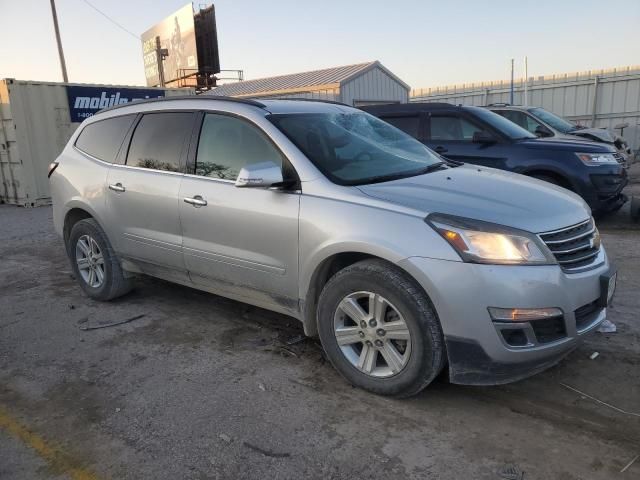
(115, 284)
(549, 179)
(427, 357)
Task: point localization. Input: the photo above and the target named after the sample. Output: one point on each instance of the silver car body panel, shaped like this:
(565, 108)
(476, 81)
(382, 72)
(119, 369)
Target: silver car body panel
(243, 241)
(487, 194)
(265, 246)
(144, 220)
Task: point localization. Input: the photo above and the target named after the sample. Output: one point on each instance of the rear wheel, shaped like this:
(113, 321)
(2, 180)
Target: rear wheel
(95, 264)
(380, 330)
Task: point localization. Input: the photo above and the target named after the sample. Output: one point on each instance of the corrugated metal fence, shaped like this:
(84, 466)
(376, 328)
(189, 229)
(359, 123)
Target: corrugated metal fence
(604, 98)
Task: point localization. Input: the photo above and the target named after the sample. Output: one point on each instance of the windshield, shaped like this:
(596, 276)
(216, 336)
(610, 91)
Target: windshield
(356, 148)
(553, 120)
(504, 126)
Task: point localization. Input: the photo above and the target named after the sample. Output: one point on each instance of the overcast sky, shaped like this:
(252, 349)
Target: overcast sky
(426, 43)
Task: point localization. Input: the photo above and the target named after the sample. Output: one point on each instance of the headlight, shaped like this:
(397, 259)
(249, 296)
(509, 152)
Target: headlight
(482, 242)
(595, 159)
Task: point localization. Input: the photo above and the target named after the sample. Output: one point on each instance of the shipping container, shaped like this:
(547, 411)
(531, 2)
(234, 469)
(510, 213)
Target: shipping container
(36, 121)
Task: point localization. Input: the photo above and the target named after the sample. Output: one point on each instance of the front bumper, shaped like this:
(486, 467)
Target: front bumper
(477, 350)
(607, 193)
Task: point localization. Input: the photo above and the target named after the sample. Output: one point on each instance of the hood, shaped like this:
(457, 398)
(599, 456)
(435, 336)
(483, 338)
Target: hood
(568, 143)
(486, 194)
(597, 134)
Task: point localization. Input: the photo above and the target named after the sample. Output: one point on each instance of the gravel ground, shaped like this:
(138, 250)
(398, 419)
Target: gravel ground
(202, 387)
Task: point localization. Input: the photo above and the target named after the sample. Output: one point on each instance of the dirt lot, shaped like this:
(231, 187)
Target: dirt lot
(202, 387)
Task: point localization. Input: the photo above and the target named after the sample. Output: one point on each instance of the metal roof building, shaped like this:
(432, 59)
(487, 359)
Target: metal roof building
(360, 84)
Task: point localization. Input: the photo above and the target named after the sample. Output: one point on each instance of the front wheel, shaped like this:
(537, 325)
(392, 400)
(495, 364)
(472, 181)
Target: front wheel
(380, 330)
(549, 179)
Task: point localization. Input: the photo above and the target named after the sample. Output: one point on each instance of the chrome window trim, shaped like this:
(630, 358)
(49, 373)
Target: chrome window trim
(218, 180)
(109, 164)
(91, 157)
(146, 169)
(224, 181)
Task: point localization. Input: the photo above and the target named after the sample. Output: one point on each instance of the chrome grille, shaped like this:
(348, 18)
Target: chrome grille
(574, 247)
(619, 158)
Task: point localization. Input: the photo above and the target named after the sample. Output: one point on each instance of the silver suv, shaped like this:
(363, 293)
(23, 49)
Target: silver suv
(401, 262)
(543, 123)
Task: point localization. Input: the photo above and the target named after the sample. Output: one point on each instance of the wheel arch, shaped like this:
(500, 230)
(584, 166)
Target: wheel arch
(562, 179)
(75, 212)
(329, 266)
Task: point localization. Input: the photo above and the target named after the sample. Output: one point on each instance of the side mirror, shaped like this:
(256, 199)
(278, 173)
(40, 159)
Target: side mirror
(542, 131)
(483, 137)
(259, 175)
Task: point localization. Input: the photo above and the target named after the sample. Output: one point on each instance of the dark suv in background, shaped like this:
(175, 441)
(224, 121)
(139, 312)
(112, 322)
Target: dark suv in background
(478, 136)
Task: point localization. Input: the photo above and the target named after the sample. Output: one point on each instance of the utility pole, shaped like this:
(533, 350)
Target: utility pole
(511, 93)
(526, 82)
(161, 54)
(63, 65)
(594, 110)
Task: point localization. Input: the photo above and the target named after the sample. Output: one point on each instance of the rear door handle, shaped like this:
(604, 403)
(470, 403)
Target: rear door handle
(441, 149)
(116, 187)
(196, 201)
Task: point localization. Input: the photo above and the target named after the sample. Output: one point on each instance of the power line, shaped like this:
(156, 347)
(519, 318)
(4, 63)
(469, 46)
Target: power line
(137, 37)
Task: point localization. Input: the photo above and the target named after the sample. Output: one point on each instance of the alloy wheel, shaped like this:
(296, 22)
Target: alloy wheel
(90, 261)
(372, 334)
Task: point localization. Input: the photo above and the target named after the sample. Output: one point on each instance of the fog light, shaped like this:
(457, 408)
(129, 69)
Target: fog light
(523, 314)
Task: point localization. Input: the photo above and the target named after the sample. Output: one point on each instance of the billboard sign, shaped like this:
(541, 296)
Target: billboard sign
(85, 101)
(177, 35)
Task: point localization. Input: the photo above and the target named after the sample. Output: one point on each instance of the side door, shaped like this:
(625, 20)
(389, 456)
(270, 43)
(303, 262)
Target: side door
(239, 242)
(143, 189)
(451, 135)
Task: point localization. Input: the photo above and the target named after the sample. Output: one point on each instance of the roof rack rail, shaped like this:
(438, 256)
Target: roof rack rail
(499, 104)
(334, 102)
(246, 101)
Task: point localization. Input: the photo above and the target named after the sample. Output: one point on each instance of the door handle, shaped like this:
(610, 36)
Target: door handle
(196, 201)
(117, 187)
(441, 149)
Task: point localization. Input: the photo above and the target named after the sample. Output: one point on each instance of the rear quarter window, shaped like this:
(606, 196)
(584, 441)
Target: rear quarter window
(407, 123)
(158, 141)
(102, 139)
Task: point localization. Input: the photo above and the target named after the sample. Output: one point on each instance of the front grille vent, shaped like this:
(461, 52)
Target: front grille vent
(585, 314)
(575, 247)
(619, 158)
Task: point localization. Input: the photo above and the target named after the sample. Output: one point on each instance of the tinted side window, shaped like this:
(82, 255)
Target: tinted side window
(228, 143)
(531, 123)
(516, 117)
(102, 139)
(410, 125)
(158, 141)
(520, 118)
(452, 128)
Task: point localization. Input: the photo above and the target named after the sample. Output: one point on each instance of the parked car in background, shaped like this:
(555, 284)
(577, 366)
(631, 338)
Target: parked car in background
(478, 136)
(543, 123)
(325, 213)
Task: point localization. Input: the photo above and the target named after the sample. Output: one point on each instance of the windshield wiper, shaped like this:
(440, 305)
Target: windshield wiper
(431, 168)
(397, 176)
